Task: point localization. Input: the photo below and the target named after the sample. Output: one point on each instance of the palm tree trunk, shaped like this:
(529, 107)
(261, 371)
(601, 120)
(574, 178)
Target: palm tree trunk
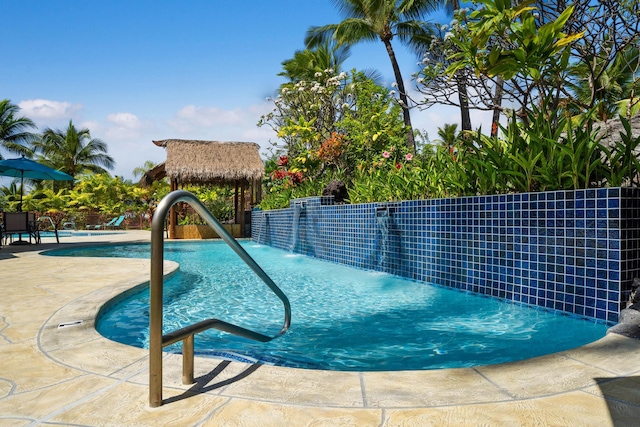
(403, 95)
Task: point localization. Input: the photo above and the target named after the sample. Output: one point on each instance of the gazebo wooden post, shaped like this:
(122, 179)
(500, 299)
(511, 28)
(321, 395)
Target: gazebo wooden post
(256, 192)
(173, 215)
(235, 202)
(242, 208)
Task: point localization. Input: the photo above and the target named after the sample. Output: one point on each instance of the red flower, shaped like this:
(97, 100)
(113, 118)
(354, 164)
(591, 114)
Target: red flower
(284, 161)
(278, 174)
(296, 177)
(398, 166)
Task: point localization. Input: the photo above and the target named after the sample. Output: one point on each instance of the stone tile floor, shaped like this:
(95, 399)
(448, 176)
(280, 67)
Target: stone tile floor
(74, 377)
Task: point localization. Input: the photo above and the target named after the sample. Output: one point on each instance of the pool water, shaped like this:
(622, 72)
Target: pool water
(74, 233)
(342, 318)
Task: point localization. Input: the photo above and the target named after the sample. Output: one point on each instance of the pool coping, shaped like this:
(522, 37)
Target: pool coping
(600, 379)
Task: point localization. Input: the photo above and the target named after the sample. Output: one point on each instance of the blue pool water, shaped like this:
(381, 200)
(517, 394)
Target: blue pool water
(342, 318)
(74, 233)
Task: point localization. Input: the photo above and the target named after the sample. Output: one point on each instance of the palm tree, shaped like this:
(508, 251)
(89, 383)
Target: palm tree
(73, 151)
(306, 63)
(10, 195)
(448, 136)
(605, 90)
(369, 20)
(141, 170)
(14, 134)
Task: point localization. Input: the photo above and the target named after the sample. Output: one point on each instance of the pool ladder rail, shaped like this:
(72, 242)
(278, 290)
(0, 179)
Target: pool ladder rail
(157, 341)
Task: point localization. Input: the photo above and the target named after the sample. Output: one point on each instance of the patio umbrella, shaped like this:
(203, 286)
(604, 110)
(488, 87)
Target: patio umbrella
(25, 168)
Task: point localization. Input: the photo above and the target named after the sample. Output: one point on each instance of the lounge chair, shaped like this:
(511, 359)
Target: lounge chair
(69, 225)
(117, 223)
(104, 225)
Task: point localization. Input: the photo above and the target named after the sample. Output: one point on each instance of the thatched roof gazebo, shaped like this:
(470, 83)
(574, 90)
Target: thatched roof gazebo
(211, 162)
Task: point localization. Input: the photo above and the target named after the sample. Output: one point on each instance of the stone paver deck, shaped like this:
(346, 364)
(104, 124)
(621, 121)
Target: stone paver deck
(70, 375)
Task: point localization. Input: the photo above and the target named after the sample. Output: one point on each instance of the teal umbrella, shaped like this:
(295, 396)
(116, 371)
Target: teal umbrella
(26, 168)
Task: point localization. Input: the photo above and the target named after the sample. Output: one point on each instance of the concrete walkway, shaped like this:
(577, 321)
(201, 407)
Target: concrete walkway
(55, 370)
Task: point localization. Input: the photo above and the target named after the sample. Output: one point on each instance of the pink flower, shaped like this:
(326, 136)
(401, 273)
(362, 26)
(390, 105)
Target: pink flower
(409, 157)
(386, 154)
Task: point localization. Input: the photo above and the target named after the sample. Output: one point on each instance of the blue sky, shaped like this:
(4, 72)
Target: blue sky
(143, 70)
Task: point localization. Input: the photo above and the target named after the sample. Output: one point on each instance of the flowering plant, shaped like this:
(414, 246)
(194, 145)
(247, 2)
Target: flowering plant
(283, 176)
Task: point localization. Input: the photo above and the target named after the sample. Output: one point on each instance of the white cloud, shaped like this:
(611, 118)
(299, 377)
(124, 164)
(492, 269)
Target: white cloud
(44, 109)
(125, 120)
(191, 118)
(433, 118)
(93, 126)
(125, 127)
(217, 124)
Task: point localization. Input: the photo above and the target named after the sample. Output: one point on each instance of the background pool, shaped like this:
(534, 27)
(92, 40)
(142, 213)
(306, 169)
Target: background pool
(74, 233)
(342, 318)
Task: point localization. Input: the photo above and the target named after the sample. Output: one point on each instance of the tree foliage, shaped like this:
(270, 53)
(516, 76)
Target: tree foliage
(328, 126)
(15, 135)
(581, 54)
(383, 20)
(73, 151)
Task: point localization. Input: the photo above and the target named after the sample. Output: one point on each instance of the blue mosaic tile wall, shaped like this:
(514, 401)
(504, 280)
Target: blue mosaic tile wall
(574, 251)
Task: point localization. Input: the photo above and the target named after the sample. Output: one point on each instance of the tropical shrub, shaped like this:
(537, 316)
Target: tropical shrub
(108, 195)
(548, 151)
(329, 127)
(217, 199)
(434, 173)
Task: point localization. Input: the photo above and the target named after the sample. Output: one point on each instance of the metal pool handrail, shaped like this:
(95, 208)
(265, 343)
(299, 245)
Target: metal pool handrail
(157, 341)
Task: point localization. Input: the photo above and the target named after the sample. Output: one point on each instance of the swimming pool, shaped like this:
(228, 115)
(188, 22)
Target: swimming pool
(75, 233)
(342, 318)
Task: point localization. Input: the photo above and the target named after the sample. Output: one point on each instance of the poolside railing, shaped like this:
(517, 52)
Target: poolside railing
(157, 341)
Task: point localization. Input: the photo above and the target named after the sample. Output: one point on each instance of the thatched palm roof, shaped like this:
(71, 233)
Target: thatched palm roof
(211, 161)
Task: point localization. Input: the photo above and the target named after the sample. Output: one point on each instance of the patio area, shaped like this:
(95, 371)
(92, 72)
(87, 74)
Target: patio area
(55, 369)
